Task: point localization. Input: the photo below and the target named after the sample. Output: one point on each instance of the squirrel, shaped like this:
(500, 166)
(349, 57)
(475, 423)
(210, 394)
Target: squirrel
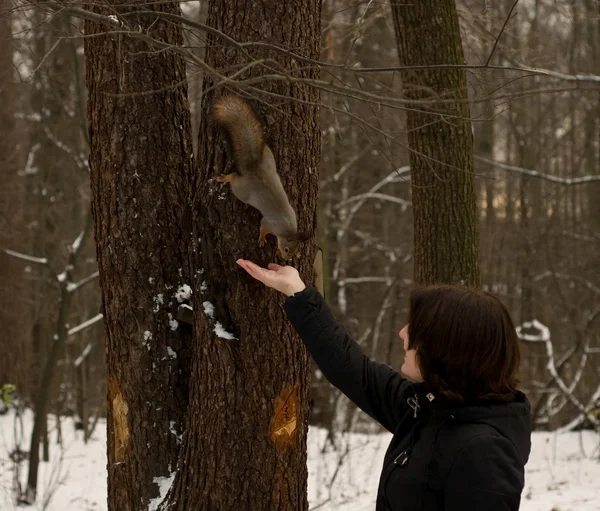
(255, 180)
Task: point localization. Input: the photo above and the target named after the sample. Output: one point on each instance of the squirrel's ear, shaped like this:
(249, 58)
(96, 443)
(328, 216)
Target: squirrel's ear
(302, 236)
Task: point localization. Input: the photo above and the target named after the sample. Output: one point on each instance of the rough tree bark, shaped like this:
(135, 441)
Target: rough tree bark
(141, 161)
(9, 307)
(245, 445)
(441, 143)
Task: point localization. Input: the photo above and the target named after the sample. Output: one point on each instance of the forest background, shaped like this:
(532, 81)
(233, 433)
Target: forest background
(86, 88)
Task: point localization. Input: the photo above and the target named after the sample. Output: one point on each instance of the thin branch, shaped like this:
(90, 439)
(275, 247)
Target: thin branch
(540, 175)
(348, 165)
(75, 286)
(501, 32)
(113, 21)
(592, 287)
(83, 355)
(364, 280)
(393, 177)
(544, 336)
(25, 257)
(84, 14)
(29, 168)
(592, 404)
(385, 305)
(380, 196)
(84, 325)
(64, 147)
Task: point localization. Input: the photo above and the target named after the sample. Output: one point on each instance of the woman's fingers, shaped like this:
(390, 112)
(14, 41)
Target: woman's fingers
(271, 277)
(255, 271)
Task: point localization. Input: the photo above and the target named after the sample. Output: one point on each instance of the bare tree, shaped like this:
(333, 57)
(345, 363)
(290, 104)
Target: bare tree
(249, 392)
(141, 161)
(440, 142)
(11, 309)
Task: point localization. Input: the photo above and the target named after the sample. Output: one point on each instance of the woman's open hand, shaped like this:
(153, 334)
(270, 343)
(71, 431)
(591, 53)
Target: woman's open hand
(285, 279)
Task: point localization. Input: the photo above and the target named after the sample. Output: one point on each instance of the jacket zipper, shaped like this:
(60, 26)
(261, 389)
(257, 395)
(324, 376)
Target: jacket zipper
(413, 402)
(402, 458)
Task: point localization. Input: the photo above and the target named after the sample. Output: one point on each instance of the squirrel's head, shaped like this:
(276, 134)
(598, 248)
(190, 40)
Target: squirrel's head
(287, 247)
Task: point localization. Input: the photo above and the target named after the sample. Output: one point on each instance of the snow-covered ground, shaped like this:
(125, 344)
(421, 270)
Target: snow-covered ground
(563, 473)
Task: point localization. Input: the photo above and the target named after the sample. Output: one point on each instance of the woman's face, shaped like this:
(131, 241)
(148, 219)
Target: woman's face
(409, 368)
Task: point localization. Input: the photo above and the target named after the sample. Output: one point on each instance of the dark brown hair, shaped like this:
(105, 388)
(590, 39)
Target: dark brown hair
(466, 344)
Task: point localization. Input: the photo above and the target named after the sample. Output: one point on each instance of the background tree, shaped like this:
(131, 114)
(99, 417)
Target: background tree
(440, 142)
(11, 311)
(48, 200)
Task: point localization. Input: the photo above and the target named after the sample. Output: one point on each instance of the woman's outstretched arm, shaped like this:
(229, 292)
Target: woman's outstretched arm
(375, 388)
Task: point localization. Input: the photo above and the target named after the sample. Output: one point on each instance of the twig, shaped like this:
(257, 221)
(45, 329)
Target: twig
(25, 257)
(500, 33)
(75, 286)
(85, 324)
(540, 175)
(86, 351)
(347, 165)
(380, 196)
(92, 16)
(544, 336)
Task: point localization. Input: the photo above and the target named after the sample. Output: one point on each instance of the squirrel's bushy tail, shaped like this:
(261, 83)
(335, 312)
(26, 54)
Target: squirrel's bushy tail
(239, 120)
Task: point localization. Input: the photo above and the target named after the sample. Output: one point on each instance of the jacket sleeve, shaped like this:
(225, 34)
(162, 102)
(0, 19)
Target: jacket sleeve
(375, 388)
(487, 475)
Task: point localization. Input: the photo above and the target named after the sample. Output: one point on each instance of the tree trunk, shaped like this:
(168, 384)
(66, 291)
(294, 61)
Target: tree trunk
(44, 392)
(10, 223)
(249, 398)
(140, 167)
(440, 142)
(593, 125)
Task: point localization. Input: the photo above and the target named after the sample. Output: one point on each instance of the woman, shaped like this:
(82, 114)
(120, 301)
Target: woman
(462, 431)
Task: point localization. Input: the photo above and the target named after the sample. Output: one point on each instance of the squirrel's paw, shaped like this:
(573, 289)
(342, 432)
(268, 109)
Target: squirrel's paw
(262, 237)
(226, 178)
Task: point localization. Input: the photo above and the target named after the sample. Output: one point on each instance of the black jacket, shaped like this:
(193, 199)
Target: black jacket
(442, 456)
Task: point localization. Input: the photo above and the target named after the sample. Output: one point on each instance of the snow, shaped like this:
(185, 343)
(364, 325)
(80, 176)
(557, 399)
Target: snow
(183, 293)
(77, 243)
(209, 310)
(158, 301)
(562, 473)
(164, 485)
(544, 331)
(174, 432)
(173, 323)
(30, 169)
(222, 333)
